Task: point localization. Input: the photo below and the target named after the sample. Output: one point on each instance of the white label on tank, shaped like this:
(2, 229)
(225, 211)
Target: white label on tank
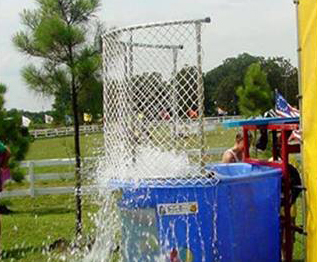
(185, 208)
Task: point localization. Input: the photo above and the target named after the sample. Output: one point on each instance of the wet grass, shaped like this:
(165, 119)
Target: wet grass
(37, 222)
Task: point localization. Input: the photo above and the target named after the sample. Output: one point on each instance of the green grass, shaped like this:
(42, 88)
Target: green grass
(220, 137)
(63, 147)
(38, 222)
(57, 148)
(40, 183)
(299, 252)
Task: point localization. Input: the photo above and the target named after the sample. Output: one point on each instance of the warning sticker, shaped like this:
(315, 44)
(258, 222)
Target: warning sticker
(185, 208)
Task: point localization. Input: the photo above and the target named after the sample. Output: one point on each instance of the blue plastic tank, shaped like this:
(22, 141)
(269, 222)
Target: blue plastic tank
(236, 220)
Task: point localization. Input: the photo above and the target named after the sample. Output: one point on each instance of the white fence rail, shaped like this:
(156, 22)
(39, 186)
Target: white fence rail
(30, 165)
(87, 129)
(64, 131)
(32, 178)
(220, 119)
(34, 191)
(47, 191)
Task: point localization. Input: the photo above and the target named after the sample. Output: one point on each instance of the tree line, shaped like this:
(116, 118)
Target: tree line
(222, 83)
(221, 86)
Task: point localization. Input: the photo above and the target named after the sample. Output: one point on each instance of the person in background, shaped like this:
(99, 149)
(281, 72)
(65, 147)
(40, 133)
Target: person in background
(4, 160)
(234, 154)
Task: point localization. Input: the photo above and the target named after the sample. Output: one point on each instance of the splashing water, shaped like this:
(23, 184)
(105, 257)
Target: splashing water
(109, 218)
(153, 104)
(131, 234)
(163, 164)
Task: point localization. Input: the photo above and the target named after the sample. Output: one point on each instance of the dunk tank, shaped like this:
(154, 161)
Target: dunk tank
(166, 201)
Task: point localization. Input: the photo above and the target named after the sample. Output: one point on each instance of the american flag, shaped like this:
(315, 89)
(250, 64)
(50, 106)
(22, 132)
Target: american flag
(284, 109)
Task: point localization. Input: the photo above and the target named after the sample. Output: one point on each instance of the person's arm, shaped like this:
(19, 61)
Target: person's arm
(227, 157)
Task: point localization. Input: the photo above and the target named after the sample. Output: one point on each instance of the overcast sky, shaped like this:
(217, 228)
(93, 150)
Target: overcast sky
(259, 27)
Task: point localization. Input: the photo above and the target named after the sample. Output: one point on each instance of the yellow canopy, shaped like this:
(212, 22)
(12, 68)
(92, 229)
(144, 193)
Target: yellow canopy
(307, 25)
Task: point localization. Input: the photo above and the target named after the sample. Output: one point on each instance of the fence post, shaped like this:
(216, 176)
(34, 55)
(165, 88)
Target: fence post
(32, 179)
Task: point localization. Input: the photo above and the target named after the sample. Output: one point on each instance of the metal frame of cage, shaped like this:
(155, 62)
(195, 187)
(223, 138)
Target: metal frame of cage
(129, 53)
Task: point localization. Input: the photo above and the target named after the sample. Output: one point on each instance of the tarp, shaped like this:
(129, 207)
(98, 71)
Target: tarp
(307, 22)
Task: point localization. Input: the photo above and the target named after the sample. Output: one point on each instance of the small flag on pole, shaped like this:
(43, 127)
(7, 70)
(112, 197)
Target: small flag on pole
(87, 117)
(49, 119)
(26, 121)
(68, 120)
(221, 112)
(270, 113)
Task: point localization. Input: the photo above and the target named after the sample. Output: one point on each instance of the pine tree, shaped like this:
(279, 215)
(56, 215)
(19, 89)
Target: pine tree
(58, 34)
(255, 97)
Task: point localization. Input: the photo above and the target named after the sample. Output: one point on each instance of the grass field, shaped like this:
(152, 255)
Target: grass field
(63, 147)
(38, 222)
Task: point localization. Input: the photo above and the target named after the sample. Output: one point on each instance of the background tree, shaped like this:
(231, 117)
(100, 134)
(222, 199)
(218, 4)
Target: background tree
(255, 97)
(57, 34)
(62, 105)
(149, 93)
(187, 89)
(225, 94)
(221, 82)
(283, 76)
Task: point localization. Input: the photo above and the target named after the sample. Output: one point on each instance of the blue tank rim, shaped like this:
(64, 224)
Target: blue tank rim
(257, 172)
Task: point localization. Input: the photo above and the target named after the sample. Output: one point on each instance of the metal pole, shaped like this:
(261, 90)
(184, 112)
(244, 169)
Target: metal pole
(132, 111)
(288, 230)
(160, 24)
(152, 46)
(126, 59)
(200, 88)
(246, 143)
(300, 98)
(32, 179)
(131, 56)
(174, 96)
(105, 83)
